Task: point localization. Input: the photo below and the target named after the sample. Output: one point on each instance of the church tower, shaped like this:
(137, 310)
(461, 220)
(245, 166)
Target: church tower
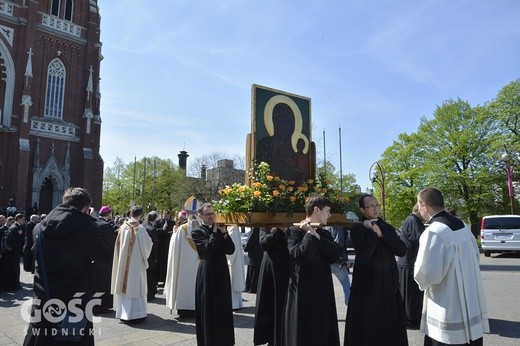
(50, 122)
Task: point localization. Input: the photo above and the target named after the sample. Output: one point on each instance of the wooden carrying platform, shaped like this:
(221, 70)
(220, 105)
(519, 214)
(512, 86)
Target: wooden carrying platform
(254, 219)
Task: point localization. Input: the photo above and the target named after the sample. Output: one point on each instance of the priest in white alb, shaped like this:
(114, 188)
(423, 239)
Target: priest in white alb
(181, 274)
(132, 248)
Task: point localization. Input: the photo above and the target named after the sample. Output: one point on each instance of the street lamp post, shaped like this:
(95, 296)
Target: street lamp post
(509, 171)
(376, 174)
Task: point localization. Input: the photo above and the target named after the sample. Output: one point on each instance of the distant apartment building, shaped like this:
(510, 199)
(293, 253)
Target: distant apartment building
(224, 174)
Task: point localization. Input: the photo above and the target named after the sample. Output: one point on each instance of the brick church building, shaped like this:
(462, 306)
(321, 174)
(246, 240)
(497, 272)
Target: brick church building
(50, 121)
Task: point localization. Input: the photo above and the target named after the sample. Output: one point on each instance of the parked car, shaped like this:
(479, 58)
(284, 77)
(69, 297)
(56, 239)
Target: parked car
(500, 233)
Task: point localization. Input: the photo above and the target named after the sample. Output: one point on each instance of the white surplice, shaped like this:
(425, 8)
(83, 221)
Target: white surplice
(236, 268)
(132, 248)
(447, 269)
(181, 274)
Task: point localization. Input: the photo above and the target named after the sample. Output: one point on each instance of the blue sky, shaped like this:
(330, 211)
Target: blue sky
(177, 74)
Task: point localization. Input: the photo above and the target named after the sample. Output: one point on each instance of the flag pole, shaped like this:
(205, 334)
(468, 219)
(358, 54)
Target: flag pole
(340, 164)
(154, 174)
(324, 156)
(144, 182)
(133, 191)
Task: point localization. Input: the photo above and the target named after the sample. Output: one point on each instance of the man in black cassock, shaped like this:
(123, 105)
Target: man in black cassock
(255, 254)
(153, 259)
(4, 228)
(15, 240)
(273, 280)
(164, 227)
(102, 272)
(310, 310)
(413, 297)
(28, 259)
(213, 309)
(375, 314)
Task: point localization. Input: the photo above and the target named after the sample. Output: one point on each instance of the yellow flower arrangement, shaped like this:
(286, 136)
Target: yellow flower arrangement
(269, 193)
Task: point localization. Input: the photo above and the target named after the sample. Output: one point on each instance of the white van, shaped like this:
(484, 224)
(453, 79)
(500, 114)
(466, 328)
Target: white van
(500, 233)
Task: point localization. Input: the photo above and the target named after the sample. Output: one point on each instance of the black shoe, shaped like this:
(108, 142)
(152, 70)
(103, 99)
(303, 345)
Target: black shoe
(186, 313)
(413, 326)
(100, 310)
(135, 321)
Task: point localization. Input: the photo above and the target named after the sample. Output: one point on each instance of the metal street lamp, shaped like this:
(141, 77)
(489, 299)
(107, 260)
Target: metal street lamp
(509, 170)
(376, 174)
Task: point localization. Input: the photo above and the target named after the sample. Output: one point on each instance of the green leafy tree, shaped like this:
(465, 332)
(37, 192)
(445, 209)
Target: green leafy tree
(505, 109)
(455, 146)
(172, 187)
(403, 163)
(117, 187)
(152, 183)
(459, 151)
(347, 185)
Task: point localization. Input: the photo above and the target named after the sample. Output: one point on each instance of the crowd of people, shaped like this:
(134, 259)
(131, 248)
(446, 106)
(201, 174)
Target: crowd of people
(434, 285)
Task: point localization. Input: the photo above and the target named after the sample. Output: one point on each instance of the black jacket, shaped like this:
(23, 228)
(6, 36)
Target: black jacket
(71, 241)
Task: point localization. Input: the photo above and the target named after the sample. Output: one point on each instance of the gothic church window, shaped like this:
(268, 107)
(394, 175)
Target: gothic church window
(69, 7)
(55, 89)
(55, 7)
(67, 11)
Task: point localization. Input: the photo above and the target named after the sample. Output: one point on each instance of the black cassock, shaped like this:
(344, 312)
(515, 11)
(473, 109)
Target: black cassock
(213, 310)
(255, 254)
(163, 246)
(153, 259)
(413, 297)
(310, 311)
(272, 287)
(11, 260)
(102, 272)
(375, 314)
(28, 259)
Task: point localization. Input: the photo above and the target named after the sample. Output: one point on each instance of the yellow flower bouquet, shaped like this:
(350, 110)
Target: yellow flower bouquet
(269, 193)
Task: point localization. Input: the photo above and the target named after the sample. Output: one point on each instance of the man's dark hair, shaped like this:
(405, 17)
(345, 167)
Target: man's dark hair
(316, 201)
(19, 216)
(362, 199)
(152, 216)
(432, 197)
(136, 211)
(202, 207)
(77, 197)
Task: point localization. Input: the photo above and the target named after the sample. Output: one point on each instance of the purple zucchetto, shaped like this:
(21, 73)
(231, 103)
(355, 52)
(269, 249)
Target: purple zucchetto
(105, 210)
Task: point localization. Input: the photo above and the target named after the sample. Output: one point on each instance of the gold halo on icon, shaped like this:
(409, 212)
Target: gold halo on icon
(298, 121)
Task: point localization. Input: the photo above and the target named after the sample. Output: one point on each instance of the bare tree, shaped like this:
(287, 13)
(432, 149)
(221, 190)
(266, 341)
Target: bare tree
(196, 164)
